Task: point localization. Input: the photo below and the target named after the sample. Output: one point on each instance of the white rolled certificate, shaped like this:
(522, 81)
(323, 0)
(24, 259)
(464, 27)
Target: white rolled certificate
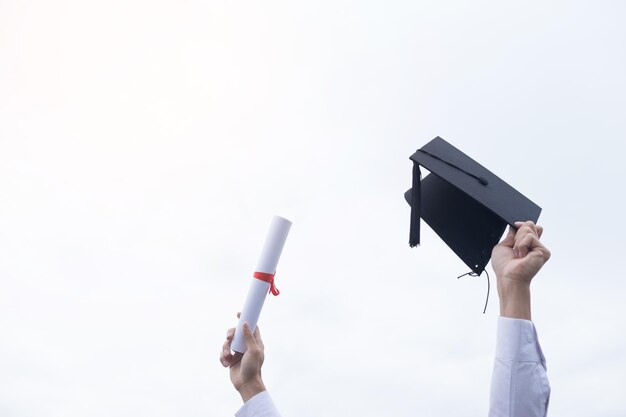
(263, 280)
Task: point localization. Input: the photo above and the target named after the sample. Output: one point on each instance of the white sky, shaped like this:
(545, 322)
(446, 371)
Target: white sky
(145, 145)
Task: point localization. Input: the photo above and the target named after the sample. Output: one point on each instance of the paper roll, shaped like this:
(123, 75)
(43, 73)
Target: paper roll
(273, 247)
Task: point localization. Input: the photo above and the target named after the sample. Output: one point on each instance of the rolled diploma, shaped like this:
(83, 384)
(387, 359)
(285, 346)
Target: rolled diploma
(273, 247)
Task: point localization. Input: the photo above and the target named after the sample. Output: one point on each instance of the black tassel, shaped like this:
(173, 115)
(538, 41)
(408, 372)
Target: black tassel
(416, 212)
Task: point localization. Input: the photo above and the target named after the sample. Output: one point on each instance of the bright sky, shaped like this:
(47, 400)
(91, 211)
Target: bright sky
(145, 146)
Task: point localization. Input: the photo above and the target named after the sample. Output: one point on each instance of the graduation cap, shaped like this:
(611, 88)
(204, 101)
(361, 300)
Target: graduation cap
(463, 202)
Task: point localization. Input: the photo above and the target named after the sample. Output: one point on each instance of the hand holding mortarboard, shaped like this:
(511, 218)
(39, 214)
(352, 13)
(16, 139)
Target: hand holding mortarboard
(520, 255)
(516, 260)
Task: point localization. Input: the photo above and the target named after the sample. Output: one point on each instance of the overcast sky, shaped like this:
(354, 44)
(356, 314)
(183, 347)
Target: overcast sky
(145, 146)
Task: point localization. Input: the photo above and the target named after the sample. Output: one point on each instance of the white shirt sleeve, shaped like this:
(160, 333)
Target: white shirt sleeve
(261, 405)
(519, 384)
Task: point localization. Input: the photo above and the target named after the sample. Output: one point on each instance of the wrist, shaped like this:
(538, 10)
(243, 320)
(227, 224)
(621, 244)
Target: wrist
(514, 298)
(251, 388)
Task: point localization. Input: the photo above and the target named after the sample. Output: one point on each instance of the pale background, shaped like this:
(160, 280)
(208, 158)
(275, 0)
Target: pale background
(145, 145)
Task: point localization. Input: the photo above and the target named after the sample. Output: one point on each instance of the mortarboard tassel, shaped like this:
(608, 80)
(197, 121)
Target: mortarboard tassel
(416, 212)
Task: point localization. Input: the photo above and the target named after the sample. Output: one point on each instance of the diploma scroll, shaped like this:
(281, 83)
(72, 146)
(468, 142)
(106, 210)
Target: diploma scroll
(262, 283)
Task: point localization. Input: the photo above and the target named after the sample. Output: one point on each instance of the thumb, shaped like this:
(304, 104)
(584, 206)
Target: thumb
(251, 342)
(509, 240)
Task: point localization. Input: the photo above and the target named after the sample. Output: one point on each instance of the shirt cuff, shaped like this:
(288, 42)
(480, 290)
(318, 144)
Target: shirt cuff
(517, 341)
(261, 405)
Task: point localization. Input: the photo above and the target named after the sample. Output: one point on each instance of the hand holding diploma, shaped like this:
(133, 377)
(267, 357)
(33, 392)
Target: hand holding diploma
(245, 369)
(245, 340)
(263, 281)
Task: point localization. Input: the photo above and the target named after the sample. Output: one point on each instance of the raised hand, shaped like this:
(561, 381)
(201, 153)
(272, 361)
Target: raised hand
(245, 369)
(516, 260)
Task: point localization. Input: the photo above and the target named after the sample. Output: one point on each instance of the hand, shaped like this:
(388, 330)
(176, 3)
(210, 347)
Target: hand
(516, 260)
(245, 369)
(520, 255)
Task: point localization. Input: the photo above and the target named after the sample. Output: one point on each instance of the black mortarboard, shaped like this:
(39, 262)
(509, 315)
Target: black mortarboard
(463, 202)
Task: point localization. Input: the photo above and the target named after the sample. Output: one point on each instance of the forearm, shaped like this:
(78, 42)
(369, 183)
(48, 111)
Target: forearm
(514, 299)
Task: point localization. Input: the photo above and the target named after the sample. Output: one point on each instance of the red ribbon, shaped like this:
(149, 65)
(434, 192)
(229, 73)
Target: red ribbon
(269, 278)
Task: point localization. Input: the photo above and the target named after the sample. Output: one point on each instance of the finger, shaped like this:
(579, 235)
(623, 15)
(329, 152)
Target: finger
(526, 227)
(235, 359)
(257, 337)
(223, 360)
(533, 227)
(226, 348)
(226, 345)
(225, 355)
(539, 231)
(537, 248)
(526, 244)
(230, 333)
(251, 343)
(543, 252)
(522, 245)
(509, 240)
